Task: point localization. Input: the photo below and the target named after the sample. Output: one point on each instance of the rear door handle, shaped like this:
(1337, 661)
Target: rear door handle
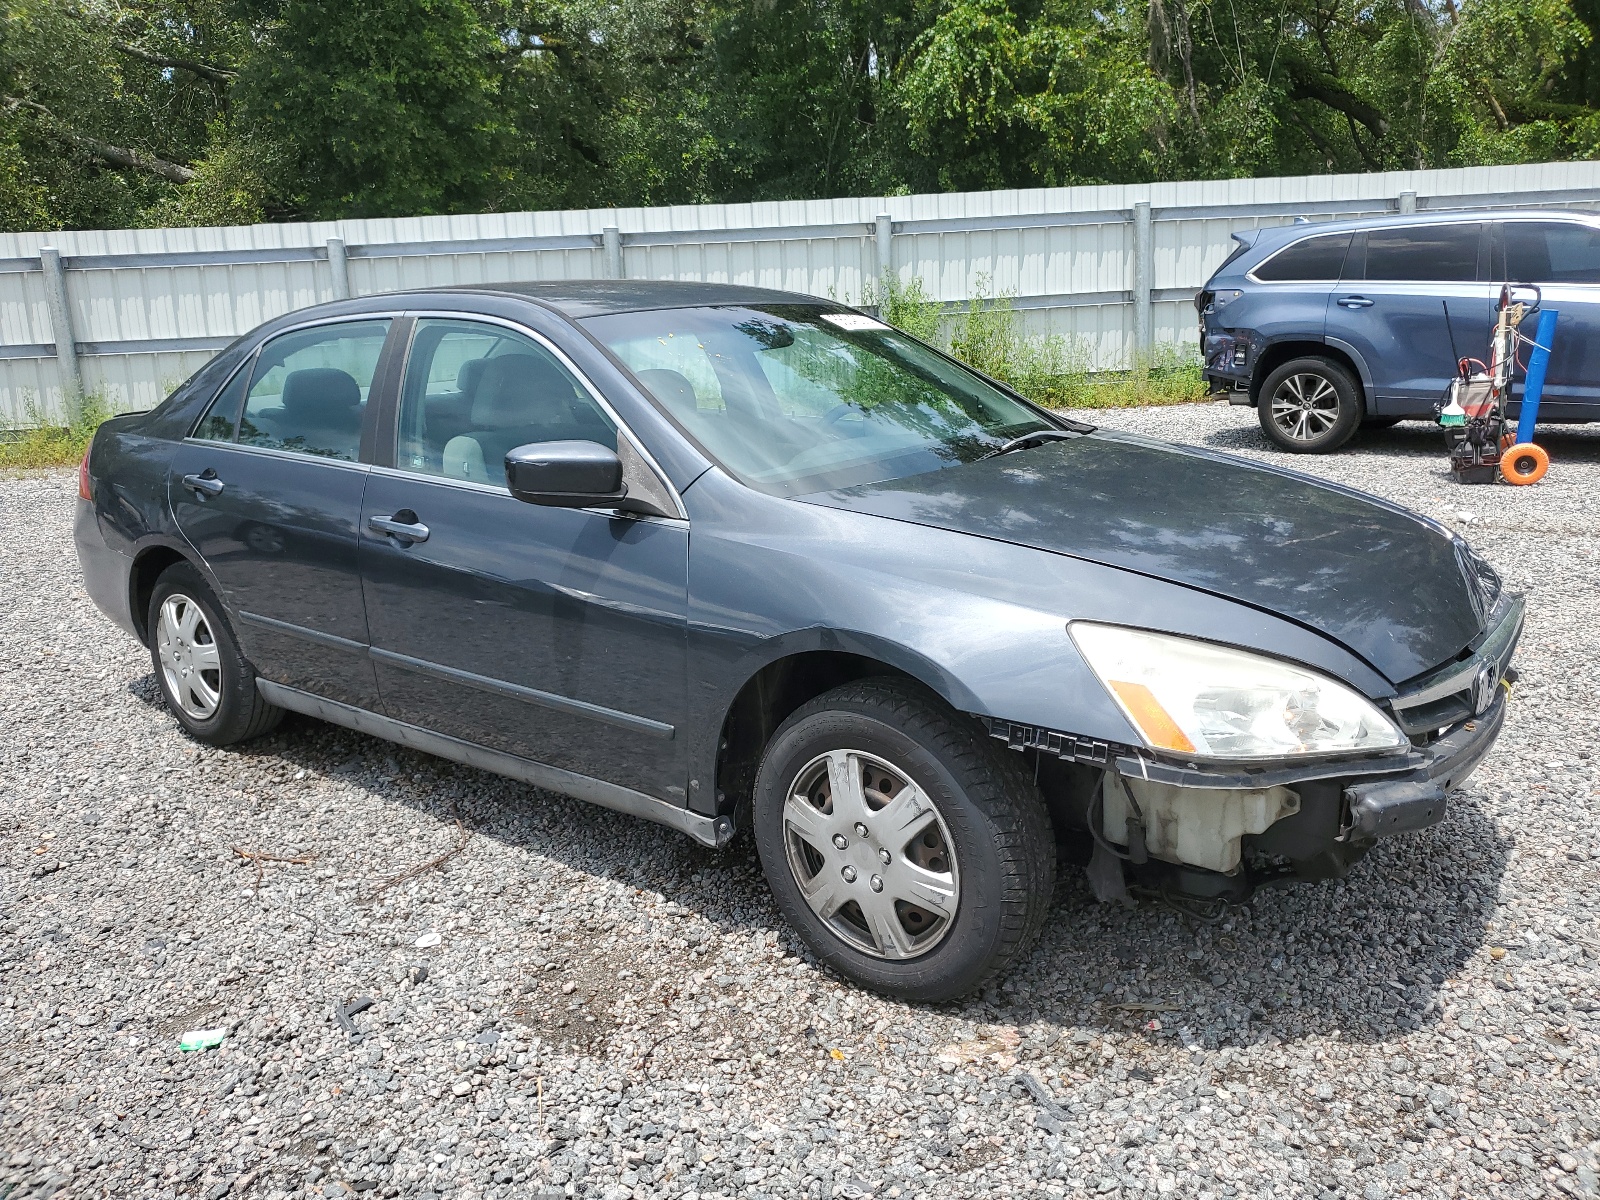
(1353, 302)
(407, 531)
(206, 484)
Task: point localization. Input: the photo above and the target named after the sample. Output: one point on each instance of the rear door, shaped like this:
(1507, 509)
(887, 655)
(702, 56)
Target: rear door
(268, 491)
(1391, 307)
(1563, 258)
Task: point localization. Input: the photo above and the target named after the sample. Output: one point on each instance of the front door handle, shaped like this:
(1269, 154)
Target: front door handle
(204, 484)
(406, 531)
(1353, 302)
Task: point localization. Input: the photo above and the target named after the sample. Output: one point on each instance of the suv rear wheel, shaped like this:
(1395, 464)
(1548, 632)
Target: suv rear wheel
(912, 854)
(1309, 406)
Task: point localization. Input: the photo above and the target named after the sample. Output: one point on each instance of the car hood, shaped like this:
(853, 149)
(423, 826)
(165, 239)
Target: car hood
(1395, 588)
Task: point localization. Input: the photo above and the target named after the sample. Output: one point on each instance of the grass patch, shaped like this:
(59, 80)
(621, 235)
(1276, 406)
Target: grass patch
(39, 444)
(1049, 369)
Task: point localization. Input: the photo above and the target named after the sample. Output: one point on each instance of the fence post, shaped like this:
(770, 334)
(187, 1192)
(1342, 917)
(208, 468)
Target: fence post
(611, 241)
(1408, 202)
(339, 266)
(885, 241)
(1143, 270)
(55, 298)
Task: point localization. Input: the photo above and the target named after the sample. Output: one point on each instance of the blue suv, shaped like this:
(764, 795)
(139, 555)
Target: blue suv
(1328, 327)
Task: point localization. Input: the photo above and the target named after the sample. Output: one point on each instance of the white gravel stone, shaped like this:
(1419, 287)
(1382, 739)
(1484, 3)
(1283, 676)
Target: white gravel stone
(612, 1011)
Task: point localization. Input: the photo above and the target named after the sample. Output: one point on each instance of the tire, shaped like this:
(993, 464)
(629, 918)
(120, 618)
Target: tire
(1309, 406)
(204, 678)
(1524, 463)
(956, 822)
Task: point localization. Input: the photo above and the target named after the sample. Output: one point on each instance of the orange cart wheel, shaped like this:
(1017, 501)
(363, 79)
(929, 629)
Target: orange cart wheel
(1524, 463)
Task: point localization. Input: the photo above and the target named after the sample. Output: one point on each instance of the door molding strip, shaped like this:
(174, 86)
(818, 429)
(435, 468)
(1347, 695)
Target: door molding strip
(300, 631)
(711, 831)
(515, 691)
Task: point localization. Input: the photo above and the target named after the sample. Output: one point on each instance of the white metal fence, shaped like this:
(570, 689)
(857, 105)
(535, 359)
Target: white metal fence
(130, 313)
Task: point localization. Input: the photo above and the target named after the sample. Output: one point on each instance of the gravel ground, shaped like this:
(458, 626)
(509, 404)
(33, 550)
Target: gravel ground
(574, 1002)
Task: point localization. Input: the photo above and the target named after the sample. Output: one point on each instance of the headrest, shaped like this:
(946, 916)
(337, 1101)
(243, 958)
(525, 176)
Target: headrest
(672, 388)
(520, 389)
(320, 390)
(470, 375)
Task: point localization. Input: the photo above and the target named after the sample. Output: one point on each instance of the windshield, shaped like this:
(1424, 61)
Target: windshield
(797, 398)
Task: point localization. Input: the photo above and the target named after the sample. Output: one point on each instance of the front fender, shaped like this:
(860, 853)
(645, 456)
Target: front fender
(981, 622)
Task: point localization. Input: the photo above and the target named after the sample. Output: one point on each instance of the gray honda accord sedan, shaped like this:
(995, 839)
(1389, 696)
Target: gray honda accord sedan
(723, 557)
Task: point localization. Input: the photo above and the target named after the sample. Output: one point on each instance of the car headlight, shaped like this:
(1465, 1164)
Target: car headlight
(1193, 698)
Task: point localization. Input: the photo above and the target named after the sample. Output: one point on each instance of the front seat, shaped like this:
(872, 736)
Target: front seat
(321, 412)
(521, 398)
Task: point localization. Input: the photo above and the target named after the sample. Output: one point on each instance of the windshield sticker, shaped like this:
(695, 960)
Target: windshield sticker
(853, 322)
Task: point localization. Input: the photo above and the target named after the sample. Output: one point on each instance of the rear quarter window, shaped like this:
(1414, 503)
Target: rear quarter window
(1315, 260)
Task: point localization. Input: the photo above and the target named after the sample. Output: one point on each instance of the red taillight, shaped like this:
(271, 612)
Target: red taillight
(83, 478)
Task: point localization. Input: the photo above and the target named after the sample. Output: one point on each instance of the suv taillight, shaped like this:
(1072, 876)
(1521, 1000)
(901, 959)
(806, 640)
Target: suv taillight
(83, 478)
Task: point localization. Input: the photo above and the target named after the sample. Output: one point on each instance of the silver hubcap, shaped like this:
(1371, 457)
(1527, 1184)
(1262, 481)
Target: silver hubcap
(871, 854)
(1305, 407)
(189, 661)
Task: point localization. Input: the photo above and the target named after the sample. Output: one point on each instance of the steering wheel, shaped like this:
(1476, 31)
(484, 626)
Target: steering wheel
(839, 412)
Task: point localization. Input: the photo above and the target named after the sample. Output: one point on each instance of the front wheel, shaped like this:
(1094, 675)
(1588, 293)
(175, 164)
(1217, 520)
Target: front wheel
(204, 677)
(1309, 406)
(912, 854)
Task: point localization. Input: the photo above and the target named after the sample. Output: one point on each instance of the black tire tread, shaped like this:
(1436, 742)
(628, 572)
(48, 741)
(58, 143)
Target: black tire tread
(995, 779)
(1334, 369)
(255, 716)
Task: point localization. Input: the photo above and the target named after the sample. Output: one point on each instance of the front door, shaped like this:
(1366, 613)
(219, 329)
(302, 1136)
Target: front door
(554, 634)
(1563, 258)
(1412, 298)
(268, 491)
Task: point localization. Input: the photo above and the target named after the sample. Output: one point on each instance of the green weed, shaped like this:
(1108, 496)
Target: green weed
(41, 444)
(1055, 371)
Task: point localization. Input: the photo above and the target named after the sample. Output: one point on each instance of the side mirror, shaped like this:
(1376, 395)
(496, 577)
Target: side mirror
(565, 475)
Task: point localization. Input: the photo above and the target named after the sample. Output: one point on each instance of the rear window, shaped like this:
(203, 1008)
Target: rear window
(1425, 253)
(1552, 252)
(1317, 259)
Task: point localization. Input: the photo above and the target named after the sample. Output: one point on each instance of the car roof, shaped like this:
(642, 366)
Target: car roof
(1277, 235)
(578, 298)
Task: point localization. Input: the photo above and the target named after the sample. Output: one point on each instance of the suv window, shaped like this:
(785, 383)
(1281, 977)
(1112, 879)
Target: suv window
(1425, 253)
(308, 391)
(1315, 260)
(1552, 252)
(474, 392)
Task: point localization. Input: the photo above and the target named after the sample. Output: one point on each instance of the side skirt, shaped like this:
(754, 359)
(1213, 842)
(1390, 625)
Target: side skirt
(712, 831)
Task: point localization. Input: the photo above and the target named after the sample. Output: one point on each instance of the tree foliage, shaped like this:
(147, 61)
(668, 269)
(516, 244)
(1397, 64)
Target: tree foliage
(127, 112)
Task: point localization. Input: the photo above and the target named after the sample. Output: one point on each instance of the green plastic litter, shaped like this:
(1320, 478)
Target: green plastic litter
(202, 1039)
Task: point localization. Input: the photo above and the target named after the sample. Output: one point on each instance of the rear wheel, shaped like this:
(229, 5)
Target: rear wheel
(204, 677)
(910, 853)
(1309, 406)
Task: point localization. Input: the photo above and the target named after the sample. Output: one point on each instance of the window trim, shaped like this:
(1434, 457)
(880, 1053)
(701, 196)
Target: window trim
(1254, 278)
(390, 448)
(379, 380)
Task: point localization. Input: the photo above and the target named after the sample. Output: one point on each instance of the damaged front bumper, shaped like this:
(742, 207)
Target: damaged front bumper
(1220, 832)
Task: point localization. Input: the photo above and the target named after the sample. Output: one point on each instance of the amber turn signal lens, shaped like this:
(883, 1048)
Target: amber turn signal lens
(1159, 729)
(83, 478)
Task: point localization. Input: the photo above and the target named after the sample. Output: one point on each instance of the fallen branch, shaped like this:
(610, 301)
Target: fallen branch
(262, 856)
(652, 1047)
(204, 70)
(423, 868)
(117, 156)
